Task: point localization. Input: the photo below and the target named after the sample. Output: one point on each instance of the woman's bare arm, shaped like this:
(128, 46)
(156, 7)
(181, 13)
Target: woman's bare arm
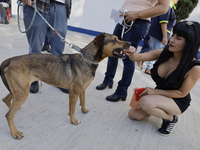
(189, 82)
(161, 8)
(149, 56)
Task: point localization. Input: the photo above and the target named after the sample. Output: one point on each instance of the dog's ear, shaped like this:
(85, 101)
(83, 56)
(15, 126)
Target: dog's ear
(98, 41)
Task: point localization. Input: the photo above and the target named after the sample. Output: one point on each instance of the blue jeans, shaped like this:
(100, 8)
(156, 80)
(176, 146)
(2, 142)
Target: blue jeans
(57, 17)
(198, 55)
(155, 44)
(134, 35)
(146, 47)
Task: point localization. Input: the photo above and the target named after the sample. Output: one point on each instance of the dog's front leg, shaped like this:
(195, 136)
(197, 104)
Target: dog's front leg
(82, 102)
(72, 105)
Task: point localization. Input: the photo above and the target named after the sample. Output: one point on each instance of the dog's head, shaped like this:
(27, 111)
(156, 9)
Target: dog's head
(110, 45)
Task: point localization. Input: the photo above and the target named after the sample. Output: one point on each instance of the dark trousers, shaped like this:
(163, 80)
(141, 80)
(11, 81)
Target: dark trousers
(134, 35)
(3, 14)
(57, 17)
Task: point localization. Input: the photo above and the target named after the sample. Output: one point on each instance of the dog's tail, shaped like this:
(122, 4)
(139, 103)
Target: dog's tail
(2, 67)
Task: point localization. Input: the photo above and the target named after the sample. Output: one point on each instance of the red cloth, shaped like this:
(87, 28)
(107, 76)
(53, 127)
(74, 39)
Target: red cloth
(8, 12)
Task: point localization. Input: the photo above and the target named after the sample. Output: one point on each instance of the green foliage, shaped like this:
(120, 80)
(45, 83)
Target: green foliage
(184, 8)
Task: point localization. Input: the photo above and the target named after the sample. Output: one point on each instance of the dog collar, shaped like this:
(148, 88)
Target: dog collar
(79, 50)
(92, 62)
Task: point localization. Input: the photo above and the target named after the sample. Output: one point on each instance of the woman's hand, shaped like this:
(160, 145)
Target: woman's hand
(130, 15)
(148, 91)
(164, 41)
(130, 53)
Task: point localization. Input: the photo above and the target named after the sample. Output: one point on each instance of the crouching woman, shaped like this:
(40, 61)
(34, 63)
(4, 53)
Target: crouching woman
(175, 73)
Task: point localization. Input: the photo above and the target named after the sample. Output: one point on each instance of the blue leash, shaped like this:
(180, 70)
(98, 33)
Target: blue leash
(20, 3)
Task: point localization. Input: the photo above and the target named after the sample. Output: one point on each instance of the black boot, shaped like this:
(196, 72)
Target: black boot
(34, 88)
(64, 90)
(115, 98)
(102, 86)
(46, 47)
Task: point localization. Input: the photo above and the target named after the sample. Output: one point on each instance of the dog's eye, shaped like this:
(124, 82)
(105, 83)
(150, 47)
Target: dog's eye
(115, 41)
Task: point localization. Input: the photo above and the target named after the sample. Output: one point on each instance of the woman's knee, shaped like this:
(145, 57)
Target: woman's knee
(131, 114)
(134, 115)
(145, 103)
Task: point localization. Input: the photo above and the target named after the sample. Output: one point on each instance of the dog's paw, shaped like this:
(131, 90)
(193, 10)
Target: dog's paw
(75, 121)
(17, 135)
(84, 110)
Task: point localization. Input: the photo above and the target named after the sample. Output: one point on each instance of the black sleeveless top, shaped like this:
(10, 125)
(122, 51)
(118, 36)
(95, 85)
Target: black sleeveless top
(171, 84)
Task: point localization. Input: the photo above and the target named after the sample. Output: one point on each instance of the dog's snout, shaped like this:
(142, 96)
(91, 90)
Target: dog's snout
(128, 44)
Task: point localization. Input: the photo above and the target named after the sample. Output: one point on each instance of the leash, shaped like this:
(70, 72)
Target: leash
(71, 45)
(20, 3)
(125, 25)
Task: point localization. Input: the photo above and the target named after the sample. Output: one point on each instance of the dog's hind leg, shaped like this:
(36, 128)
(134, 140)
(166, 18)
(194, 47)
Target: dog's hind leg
(72, 105)
(20, 91)
(82, 102)
(7, 100)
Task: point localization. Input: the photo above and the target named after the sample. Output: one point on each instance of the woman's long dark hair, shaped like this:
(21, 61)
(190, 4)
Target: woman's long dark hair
(189, 30)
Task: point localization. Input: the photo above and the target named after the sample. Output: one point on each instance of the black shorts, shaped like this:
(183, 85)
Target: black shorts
(181, 104)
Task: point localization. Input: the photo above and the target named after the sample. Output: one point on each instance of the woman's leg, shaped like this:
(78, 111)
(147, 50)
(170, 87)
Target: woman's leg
(135, 35)
(137, 114)
(159, 106)
(112, 61)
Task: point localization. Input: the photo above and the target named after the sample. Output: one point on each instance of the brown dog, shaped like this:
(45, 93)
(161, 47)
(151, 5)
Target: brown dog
(68, 71)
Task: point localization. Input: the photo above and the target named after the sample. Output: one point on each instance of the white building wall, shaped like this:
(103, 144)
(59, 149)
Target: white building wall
(94, 14)
(195, 15)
